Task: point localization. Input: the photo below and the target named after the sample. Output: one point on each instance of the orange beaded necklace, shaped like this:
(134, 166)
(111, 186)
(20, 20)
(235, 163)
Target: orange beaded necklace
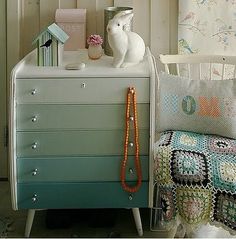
(131, 92)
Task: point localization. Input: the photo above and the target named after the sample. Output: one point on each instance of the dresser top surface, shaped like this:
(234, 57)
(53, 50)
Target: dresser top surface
(27, 68)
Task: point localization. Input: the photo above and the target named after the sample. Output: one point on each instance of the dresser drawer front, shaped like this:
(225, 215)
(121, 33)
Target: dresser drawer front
(38, 117)
(83, 169)
(79, 195)
(83, 91)
(84, 143)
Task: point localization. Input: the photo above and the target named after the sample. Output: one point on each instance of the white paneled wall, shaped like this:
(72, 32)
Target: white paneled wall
(142, 19)
(164, 26)
(95, 16)
(154, 20)
(3, 92)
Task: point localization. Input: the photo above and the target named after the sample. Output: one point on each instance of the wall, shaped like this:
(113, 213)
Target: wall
(154, 20)
(3, 123)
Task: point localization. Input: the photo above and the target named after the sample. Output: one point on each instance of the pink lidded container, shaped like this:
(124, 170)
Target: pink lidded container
(73, 22)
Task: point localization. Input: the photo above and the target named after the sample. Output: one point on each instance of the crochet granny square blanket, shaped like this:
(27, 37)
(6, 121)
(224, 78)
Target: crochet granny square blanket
(196, 175)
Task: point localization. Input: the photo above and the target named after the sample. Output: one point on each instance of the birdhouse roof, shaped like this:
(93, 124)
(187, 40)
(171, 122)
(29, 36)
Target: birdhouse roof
(55, 31)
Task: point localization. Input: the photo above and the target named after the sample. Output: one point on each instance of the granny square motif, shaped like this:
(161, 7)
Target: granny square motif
(162, 165)
(193, 205)
(224, 172)
(221, 145)
(225, 209)
(188, 141)
(165, 139)
(167, 202)
(189, 168)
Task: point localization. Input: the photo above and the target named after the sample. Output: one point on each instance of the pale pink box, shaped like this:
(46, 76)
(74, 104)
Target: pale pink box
(73, 22)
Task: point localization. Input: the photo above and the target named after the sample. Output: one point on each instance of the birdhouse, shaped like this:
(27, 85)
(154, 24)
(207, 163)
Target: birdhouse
(50, 44)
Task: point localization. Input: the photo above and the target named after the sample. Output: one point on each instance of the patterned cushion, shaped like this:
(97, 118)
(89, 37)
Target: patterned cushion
(197, 177)
(200, 106)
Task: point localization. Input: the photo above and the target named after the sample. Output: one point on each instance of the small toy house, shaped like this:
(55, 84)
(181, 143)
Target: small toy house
(50, 44)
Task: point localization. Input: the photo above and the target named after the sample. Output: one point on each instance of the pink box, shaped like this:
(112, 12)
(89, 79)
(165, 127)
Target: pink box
(73, 22)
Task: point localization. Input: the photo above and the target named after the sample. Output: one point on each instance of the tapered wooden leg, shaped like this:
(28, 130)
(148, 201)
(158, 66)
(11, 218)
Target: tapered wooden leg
(29, 222)
(138, 221)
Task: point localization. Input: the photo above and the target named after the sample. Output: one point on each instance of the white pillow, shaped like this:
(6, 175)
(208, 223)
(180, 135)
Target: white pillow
(201, 106)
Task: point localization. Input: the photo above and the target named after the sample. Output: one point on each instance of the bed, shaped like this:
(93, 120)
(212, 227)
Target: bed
(194, 167)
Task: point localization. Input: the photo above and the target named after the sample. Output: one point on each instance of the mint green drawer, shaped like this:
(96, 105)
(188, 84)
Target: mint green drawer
(37, 117)
(74, 169)
(84, 143)
(83, 91)
(79, 195)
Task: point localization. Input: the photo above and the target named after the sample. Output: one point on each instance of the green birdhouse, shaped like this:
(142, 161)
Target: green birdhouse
(50, 43)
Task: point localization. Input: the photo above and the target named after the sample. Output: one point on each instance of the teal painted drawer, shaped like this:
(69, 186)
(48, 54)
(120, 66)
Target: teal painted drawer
(84, 143)
(73, 169)
(83, 91)
(38, 117)
(79, 195)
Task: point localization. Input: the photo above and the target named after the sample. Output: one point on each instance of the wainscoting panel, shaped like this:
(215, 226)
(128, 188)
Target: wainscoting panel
(68, 4)
(127, 3)
(30, 24)
(3, 91)
(142, 19)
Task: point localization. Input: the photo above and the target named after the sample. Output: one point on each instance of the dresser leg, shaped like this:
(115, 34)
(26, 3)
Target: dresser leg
(29, 222)
(138, 221)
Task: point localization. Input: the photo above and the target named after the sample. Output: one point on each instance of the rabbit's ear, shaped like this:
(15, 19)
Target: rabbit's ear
(126, 18)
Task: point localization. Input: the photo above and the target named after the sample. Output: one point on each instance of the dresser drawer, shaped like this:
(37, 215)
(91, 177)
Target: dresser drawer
(80, 169)
(84, 142)
(83, 91)
(79, 195)
(38, 117)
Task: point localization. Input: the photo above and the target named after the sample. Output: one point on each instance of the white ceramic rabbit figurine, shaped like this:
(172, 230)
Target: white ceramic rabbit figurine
(128, 47)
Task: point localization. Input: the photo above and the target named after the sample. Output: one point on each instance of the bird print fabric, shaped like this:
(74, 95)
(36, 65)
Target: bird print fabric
(183, 44)
(207, 27)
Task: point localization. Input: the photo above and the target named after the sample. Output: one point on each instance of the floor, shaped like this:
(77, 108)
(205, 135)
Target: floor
(124, 225)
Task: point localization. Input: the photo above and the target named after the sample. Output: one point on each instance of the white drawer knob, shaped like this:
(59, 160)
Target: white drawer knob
(34, 119)
(34, 198)
(131, 144)
(34, 145)
(130, 197)
(131, 171)
(33, 92)
(131, 118)
(34, 173)
(83, 85)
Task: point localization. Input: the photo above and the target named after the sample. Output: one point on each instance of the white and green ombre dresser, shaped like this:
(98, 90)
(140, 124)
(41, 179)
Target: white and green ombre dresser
(67, 131)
